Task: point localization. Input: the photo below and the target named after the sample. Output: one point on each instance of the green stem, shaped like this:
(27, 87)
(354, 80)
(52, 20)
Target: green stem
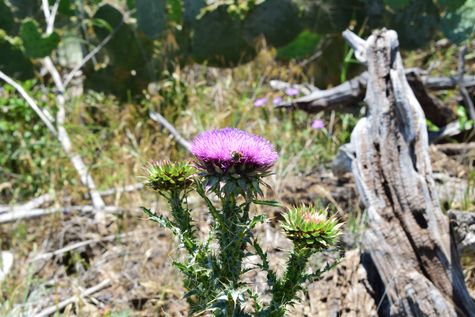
(285, 290)
(231, 242)
(182, 219)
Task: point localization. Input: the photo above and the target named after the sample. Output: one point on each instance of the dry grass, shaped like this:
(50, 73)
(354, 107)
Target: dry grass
(118, 140)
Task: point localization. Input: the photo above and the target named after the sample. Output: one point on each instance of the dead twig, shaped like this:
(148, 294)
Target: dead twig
(91, 54)
(348, 94)
(48, 198)
(88, 292)
(18, 214)
(63, 136)
(33, 105)
(65, 141)
(34, 203)
(81, 244)
(456, 148)
(463, 89)
(155, 116)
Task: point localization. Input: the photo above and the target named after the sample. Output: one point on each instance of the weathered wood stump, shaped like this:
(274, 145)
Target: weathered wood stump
(409, 255)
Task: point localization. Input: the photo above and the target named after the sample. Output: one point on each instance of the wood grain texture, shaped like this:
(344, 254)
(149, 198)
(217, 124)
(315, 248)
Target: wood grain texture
(408, 238)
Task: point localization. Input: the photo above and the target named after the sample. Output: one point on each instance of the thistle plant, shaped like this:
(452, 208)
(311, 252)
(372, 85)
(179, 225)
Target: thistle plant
(229, 166)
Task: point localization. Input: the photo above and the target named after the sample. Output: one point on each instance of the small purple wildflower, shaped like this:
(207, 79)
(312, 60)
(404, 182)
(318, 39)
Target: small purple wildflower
(260, 102)
(318, 124)
(220, 150)
(292, 91)
(277, 101)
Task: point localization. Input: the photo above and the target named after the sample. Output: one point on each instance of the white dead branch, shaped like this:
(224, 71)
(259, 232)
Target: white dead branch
(155, 116)
(28, 213)
(61, 305)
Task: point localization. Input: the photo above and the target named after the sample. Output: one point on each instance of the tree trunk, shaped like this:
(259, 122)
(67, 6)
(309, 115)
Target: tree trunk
(410, 257)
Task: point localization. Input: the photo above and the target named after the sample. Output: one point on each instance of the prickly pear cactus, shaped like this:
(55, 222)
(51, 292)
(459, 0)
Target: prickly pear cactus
(13, 62)
(302, 46)
(192, 9)
(218, 40)
(277, 20)
(7, 22)
(129, 68)
(416, 23)
(36, 44)
(459, 25)
(327, 16)
(151, 17)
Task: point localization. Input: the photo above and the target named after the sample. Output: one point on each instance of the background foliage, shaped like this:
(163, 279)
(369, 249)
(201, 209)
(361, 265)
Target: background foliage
(152, 36)
(146, 43)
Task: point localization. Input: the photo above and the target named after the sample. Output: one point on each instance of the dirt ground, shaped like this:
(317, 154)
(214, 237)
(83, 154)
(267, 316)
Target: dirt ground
(136, 255)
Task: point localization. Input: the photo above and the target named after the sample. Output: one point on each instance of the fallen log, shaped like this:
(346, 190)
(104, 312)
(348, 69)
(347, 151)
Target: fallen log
(411, 261)
(346, 96)
(463, 225)
(456, 148)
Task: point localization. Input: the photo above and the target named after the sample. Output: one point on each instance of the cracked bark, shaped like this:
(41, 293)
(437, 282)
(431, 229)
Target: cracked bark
(410, 258)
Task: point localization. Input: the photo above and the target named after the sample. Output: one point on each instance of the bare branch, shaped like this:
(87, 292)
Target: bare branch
(88, 292)
(74, 246)
(347, 96)
(48, 198)
(64, 139)
(456, 148)
(463, 90)
(43, 116)
(340, 97)
(167, 125)
(45, 8)
(282, 86)
(52, 17)
(28, 213)
(91, 54)
(441, 83)
(357, 44)
(32, 204)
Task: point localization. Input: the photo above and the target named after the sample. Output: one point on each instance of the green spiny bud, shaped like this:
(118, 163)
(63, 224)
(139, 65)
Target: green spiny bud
(310, 227)
(168, 176)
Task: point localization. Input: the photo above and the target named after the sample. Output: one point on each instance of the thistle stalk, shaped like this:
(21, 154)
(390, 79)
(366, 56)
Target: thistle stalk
(182, 219)
(285, 290)
(231, 252)
(231, 164)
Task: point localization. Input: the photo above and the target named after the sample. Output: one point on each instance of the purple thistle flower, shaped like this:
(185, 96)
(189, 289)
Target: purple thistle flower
(292, 91)
(277, 101)
(318, 124)
(221, 150)
(260, 102)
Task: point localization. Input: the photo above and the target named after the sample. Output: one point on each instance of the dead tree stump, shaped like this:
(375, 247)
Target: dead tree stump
(415, 268)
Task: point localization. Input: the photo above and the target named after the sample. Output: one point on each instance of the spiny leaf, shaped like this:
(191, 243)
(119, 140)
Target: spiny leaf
(272, 203)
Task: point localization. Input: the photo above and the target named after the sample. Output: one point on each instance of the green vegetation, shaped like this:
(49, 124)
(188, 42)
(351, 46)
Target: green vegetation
(201, 65)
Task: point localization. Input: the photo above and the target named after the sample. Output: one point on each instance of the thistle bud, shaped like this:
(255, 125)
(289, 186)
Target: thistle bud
(311, 227)
(168, 176)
